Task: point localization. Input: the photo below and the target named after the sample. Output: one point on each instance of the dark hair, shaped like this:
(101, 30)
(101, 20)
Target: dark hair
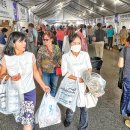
(13, 37)
(4, 30)
(127, 41)
(73, 36)
(26, 30)
(99, 25)
(31, 25)
(123, 27)
(49, 34)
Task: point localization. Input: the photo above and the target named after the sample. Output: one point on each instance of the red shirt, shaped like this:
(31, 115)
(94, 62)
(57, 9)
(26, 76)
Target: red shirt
(60, 35)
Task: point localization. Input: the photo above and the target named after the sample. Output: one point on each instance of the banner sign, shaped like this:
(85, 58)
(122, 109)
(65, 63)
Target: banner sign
(22, 13)
(124, 17)
(91, 21)
(15, 11)
(6, 11)
(31, 17)
(116, 18)
(36, 19)
(99, 20)
(109, 19)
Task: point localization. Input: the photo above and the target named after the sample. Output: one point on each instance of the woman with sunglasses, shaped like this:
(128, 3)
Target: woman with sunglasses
(48, 58)
(74, 64)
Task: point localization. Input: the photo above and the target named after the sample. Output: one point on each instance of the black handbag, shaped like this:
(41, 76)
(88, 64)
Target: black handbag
(120, 81)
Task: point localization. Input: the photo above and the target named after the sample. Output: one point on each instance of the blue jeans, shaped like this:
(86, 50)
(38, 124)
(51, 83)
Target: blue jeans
(50, 79)
(125, 98)
(83, 123)
(60, 44)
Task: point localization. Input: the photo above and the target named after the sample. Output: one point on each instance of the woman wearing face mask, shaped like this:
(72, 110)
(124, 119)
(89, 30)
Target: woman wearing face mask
(20, 66)
(48, 58)
(74, 64)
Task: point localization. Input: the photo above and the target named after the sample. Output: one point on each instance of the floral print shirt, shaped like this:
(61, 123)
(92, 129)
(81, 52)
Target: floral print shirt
(48, 60)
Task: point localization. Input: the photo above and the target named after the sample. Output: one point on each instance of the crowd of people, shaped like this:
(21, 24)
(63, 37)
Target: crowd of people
(36, 52)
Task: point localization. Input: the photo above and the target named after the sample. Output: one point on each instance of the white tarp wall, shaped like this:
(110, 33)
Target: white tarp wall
(6, 10)
(31, 16)
(22, 13)
(124, 20)
(22, 17)
(36, 20)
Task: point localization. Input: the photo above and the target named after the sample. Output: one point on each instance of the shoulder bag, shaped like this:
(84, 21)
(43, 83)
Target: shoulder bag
(120, 81)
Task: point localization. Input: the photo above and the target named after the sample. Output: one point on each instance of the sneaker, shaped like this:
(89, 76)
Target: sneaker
(66, 123)
(127, 123)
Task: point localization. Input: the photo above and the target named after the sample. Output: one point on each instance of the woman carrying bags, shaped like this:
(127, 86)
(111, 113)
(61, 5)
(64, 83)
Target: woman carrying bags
(20, 66)
(74, 64)
(48, 59)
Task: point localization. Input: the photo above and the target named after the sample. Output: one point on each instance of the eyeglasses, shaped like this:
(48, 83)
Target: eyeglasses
(46, 39)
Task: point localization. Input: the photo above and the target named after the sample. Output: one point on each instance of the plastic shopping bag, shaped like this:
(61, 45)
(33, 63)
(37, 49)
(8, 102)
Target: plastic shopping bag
(3, 87)
(14, 99)
(90, 100)
(67, 93)
(81, 95)
(95, 83)
(48, 113)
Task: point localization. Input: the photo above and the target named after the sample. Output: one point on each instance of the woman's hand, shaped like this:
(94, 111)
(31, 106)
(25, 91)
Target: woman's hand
(81, 80)
(16, 77)
(46, 89)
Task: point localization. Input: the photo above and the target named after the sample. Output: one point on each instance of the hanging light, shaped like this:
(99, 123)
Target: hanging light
(90, 11)
(116, 1)
(101, 8)
(103, 5)
(84, 13)
(91, 8)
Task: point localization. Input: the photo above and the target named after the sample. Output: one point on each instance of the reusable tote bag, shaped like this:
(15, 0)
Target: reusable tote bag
(67, 93)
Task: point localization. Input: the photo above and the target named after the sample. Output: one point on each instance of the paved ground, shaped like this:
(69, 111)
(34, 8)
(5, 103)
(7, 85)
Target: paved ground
(105, 116)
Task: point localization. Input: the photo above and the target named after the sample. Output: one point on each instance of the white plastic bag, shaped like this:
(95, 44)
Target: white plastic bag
(3, 87)
(81, 95)
(67, 93)
(95, 83)
(13, 99)
(90, 100)
(66, 45)
(48, 113)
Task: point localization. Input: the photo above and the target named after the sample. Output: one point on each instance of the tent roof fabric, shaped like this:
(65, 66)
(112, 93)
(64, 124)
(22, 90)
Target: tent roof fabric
(80, 8)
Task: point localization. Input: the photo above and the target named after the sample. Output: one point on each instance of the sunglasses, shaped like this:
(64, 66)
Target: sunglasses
(76, 43)
(46, 39)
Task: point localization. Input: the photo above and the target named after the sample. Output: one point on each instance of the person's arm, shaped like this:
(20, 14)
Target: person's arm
(3, 72)
(59, 56)
(94, 37)
(121, 62)
(35, 37)
(38, 78)
(39, 61)
(121, 58)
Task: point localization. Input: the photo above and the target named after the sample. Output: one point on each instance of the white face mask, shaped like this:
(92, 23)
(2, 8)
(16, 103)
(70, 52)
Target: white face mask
(76, 48)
